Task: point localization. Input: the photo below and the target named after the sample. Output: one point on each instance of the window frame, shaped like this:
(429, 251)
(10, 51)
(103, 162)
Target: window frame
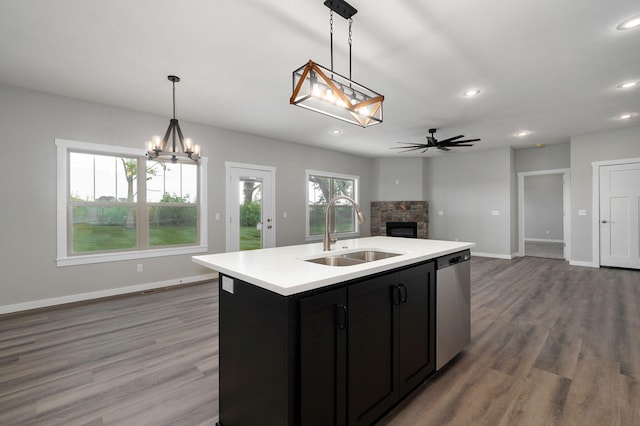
(356, 197)
(64, 258)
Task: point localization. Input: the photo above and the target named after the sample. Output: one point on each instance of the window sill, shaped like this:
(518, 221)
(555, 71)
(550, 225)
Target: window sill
(343, 236)
(130, 255)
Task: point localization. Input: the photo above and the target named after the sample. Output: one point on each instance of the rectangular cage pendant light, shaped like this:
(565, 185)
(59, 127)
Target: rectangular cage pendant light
(325, 91)
(319, 89)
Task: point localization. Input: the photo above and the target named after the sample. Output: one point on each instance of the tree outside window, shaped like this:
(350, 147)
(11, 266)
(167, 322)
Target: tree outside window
(321, 188)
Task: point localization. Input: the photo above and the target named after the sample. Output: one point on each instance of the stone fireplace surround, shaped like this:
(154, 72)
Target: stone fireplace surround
(399, 211)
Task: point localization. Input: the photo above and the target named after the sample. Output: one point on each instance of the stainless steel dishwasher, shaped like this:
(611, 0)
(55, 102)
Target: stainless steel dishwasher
(453, 305)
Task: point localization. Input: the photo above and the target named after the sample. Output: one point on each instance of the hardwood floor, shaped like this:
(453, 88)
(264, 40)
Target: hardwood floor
(551, 344)
(141, 360)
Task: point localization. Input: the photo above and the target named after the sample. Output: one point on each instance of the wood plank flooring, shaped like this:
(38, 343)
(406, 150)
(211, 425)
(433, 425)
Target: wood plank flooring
(551, 344)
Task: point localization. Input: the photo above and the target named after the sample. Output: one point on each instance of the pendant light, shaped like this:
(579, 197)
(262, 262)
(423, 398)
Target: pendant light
(323, 90)
(173, 147)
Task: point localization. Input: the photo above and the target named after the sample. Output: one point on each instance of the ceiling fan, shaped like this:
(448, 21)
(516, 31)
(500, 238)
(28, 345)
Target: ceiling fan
(432, 142)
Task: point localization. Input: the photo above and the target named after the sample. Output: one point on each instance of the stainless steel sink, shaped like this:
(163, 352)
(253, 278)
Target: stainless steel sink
(370, 255)
(353, 258)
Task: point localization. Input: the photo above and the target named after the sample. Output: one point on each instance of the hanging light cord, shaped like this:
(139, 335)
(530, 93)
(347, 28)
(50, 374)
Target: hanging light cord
(331, 35)
(350, 22)
(174, 99)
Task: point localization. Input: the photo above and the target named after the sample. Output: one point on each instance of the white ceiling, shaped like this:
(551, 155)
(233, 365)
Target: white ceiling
(547, 66)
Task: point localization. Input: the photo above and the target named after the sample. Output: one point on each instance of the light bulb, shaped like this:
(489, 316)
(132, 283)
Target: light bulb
(188, 145)
(156, 141)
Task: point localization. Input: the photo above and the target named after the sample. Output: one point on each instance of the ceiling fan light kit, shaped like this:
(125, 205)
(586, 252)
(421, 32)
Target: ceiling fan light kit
(323, 90)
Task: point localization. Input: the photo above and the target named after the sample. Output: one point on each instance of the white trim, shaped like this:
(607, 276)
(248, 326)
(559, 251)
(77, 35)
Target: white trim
(583, 264)
(595, 204)
(129, 255)
(566, 207)
(543, 240)
(63, 259)
(616, 162)
(43, 303)
(494, 255)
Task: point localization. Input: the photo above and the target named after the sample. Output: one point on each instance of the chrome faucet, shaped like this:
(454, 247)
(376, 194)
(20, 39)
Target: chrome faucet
(328, 240)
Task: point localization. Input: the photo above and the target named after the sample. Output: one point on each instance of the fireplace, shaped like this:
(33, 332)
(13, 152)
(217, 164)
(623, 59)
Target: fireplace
(400, 214)
(402, 229)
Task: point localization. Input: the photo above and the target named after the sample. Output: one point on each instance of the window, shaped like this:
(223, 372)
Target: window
(322, 187)
(106, 212)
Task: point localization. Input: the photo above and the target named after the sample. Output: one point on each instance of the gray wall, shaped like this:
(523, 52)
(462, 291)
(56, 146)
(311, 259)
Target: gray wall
(543, 207)
(549, 157)
(30, 121)
(613, 145)
(398, 179)
(467, 188)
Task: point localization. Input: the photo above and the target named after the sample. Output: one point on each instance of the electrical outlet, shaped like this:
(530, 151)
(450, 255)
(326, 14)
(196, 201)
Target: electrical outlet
(139, 267)
(217, 216)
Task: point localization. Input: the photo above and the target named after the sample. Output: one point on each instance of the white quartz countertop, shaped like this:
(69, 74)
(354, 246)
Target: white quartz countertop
(284, 270)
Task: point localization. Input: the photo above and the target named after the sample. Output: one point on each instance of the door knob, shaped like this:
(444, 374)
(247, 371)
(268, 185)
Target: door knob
(604, 221)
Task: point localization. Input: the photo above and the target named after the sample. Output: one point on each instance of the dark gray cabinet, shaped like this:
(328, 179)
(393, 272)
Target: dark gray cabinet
(363, 347)
(343, 355)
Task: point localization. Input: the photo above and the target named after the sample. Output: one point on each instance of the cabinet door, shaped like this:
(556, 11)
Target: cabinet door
(370, 354)
(416, 332)
(323, 322)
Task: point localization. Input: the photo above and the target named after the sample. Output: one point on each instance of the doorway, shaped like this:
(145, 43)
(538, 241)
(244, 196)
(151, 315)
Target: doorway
(617, 217)
(543, 204)
(250, 212)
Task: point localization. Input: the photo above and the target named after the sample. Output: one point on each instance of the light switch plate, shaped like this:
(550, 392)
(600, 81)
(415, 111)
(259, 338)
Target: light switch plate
(582, 212)
(495, 212)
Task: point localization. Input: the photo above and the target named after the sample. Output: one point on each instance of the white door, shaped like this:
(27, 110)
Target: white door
(619, 215)
(250, 221)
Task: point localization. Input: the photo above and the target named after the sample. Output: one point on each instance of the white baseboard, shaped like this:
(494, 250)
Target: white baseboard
(543, 240)
(494, 255)
(44, 303)
(585, 264)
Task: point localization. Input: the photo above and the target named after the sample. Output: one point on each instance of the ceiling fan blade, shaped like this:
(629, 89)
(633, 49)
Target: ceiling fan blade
(466, 140)
(456, 145)
(411, 148)
(443, 148)
(451, 139)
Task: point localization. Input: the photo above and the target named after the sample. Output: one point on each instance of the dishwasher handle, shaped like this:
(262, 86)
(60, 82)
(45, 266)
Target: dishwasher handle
(453, 259)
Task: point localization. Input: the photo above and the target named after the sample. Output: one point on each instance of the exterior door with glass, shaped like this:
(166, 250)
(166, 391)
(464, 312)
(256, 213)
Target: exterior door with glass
(250, 207)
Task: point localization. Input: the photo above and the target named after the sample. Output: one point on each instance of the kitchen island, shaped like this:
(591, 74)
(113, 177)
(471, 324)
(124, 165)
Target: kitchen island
(303, 342)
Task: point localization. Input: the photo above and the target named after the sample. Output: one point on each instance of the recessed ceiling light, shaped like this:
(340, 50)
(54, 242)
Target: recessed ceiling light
(335, 131)
(539, 145)
(624, 116)
(627, 85)
(629, 24)
(471, 92)
(522, 133)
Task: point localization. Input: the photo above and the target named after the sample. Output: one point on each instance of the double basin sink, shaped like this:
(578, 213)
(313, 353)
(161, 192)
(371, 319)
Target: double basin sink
(352, 258)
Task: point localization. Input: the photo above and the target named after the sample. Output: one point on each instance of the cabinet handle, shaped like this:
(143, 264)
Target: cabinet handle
(343, 317)
(395, 293)
(403, 293)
